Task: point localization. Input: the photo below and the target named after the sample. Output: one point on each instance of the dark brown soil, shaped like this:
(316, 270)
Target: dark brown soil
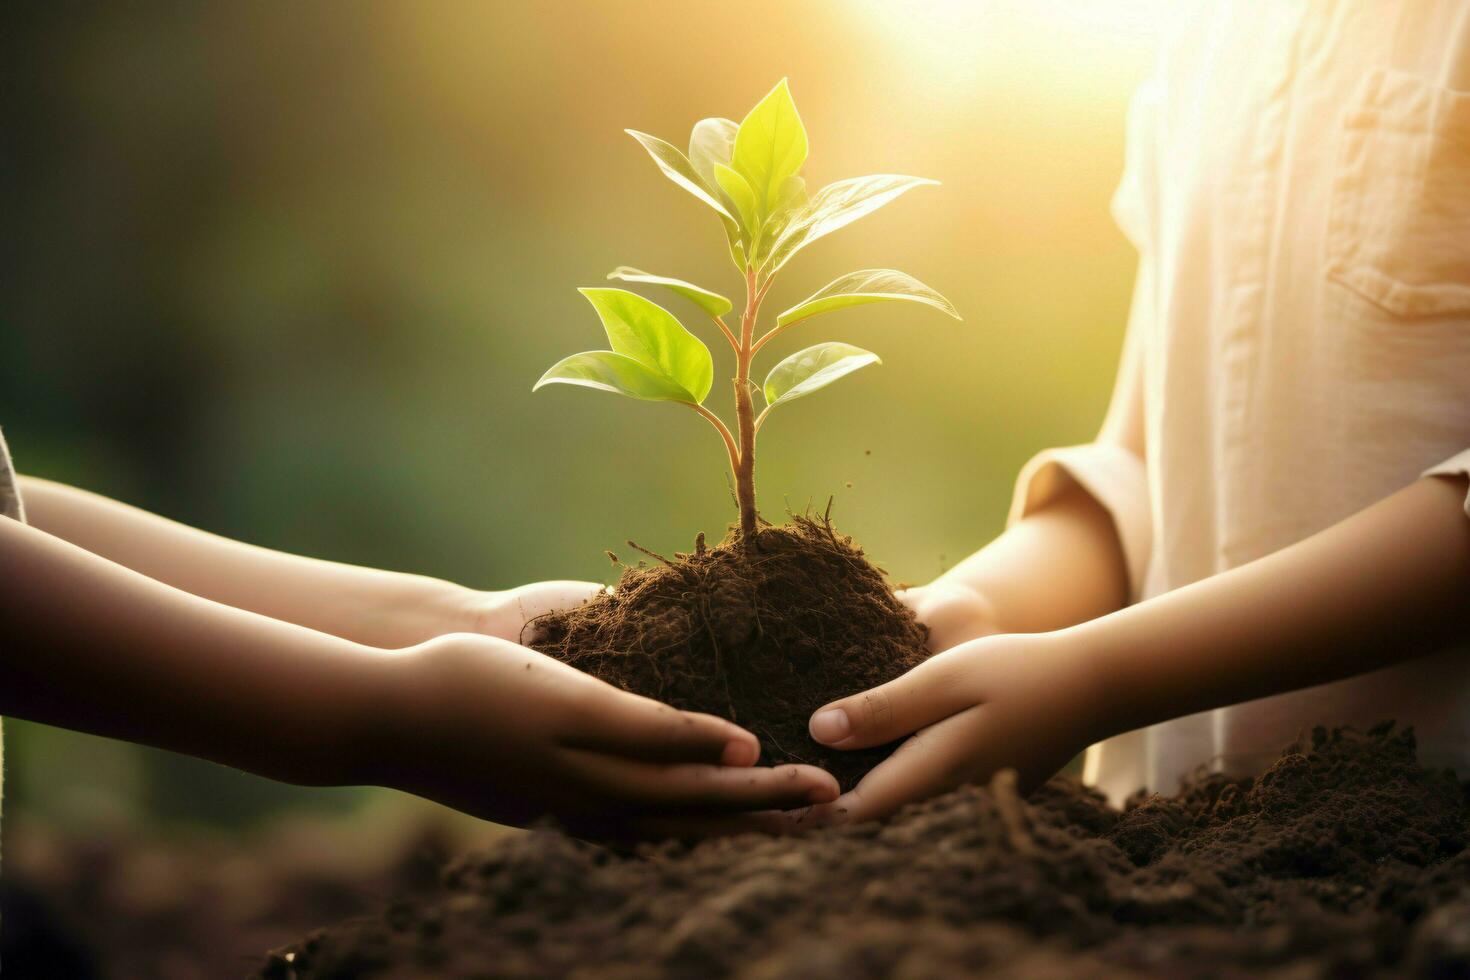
(176, 902)
(762, 635)
(1346, 859)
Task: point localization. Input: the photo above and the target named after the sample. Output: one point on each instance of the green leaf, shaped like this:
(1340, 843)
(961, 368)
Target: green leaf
(866, 286)
(740, 194)
(641, 329)
(737, 249)
(770, 146)
(608, 371)
(711, 141)
(676, 167)
(793, 201)
(835, 206)
(816, 367)
(712, 303)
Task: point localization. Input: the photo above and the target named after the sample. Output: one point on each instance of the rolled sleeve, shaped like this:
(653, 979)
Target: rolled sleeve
(1116, 479)
(1457, 465)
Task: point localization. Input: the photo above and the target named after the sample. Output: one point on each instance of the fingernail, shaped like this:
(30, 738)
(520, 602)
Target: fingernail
(830, 726)
(739, 754)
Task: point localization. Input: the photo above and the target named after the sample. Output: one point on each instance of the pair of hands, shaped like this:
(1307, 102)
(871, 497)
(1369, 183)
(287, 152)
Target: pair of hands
(511, 734)
(482, 723)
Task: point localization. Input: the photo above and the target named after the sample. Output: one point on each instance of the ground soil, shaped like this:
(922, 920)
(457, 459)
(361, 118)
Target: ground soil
(165, 902)
(763, 635)
(1345, 859)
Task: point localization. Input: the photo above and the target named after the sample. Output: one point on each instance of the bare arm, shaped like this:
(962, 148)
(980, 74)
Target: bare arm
(1385, 585)
(378, 608)
(94, 647)
(1057, 566)
(476, 722)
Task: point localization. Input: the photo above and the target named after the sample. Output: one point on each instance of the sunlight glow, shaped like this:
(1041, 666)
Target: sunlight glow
(1067, 50)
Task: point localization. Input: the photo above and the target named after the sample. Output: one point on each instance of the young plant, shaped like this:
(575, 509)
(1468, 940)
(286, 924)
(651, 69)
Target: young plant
(749, 175)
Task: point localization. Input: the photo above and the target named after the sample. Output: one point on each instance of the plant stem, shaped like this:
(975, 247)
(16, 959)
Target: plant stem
(745, 413)
(729, 334)
(724, 432)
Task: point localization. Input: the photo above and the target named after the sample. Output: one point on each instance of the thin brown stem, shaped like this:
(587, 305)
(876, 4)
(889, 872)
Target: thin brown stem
(729, 334)
(761, 293)
(771, 334)
(745, 412)
(724, 432)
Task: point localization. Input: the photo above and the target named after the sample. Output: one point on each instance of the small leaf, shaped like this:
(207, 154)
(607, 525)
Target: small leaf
(866, 286)
(676, 167)
(740, 194)
(793, 201)
(835, 206)
(770, 145)
(712, 303)
(641, 329)
(816, 367)
(737, 249)
(711, 141)
(608, 371)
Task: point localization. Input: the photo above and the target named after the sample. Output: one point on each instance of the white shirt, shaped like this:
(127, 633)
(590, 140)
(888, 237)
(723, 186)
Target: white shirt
(1298, 189)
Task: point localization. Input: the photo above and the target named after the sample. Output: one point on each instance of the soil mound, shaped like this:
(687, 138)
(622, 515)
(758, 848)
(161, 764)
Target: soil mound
(763, 638)
(1345, 859)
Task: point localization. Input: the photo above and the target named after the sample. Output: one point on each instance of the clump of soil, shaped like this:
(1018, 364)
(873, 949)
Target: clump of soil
(1345, 859)
(763, 635)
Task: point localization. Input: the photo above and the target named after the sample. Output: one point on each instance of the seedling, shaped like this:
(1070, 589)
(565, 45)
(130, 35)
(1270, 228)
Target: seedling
(750, 176)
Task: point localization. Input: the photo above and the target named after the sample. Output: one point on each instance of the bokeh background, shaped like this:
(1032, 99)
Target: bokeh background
(288, 271)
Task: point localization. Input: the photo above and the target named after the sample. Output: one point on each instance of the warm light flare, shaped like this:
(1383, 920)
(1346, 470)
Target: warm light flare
(1064, 50)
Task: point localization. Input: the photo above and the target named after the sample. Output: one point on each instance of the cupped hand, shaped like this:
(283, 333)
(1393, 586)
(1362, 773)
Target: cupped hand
(500, 731)
(954, 613)
(1022, 702)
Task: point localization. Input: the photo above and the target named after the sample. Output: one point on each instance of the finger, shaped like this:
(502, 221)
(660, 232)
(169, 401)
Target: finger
(910, 597)
(532, 602)
(544, 597)
(937, 759)
(696, 787)
(615, 722)
(929, 693)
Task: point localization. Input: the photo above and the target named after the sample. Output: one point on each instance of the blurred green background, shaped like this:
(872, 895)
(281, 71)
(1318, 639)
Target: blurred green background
(288, 271)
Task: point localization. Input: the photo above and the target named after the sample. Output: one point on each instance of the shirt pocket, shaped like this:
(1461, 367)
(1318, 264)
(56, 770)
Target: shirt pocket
(1399, 221)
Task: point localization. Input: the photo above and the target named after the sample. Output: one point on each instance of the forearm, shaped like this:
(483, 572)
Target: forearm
(384, 609)
(1383, 586)
(92, 646)
(1061, 565)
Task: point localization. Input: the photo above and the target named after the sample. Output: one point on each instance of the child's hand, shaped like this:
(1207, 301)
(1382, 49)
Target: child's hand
(1024, 702)
(503, 732)
(507, 614)
(954, 613)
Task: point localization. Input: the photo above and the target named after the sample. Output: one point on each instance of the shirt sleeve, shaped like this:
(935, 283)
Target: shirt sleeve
(1457, 465)
(1113, 476)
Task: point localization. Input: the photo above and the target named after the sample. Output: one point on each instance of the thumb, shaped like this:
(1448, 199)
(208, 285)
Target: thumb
(521, 607)
(540, 598)
(929, 693)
